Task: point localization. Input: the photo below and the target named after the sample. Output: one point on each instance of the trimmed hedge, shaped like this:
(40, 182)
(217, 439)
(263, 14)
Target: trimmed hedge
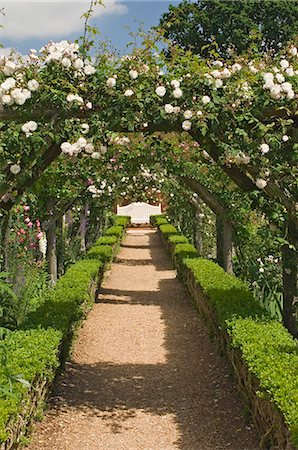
(168, 229)
(116, 230)
(107, 240)
(33, 354)
(36, 351)
(102, 252)
(123, 221)
(263, 353)
(178, 239)
(183, 251)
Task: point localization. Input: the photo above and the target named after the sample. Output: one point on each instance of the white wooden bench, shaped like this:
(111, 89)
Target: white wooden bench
(139, 212)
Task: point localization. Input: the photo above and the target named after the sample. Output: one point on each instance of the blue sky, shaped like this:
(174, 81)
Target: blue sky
(31, 24)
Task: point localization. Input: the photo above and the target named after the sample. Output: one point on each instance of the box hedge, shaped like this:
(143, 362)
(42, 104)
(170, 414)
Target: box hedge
(167, 230)
(183, 251)
(107, 240)
(36, 351)
(116, 230)
(102, 252)
(178, 239)
(266, 348)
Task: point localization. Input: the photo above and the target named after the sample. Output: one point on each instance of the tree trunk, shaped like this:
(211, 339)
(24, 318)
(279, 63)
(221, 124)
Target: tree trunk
(83, 227)
(290, 294)
(52, 245)
(219, 240)
(227, 246)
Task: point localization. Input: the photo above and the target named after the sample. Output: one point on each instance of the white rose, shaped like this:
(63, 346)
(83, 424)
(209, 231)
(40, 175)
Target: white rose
(82, 142)
(89, 148)
(169, 109)
(216, 74)
(65, 147)
(187, 114)
(9, 68)
(7, 100)
(218, 83)
(284, 64)
(206, 99)
(78, 64)
(236, 67)
(133, 74)
(8, 84)
(66, 62)
(89, 70)
(275, 91)
(226, 73)
(261, 183)
(290, 95)
(111, 82)
(186, 125)
(199, 113)
(85, 128)
(160, 91)
(293, 51)
(253, 69)
(268, 76)
(33, 85)
(15, 169)
(95, 155)
(175, 84)
(176, 109)
(280, 78)
(128, 93)
(290, 72)
(286, 87)
(71, 98)
(285, 138)
(177, 93)
(217, 63)
(89, 105)
(264, 148)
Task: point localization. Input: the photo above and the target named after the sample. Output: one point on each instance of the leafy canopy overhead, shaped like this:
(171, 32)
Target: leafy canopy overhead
(238, 24)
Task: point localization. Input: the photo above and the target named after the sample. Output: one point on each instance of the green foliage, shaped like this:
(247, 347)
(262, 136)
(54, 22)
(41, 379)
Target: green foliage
(229, 295)
(116, 230)
(102, 252)
(158, 219)
(106, 240)
(183, 251)
(33, 354)
(271, 355)
(168, 229)
(121, 220)
(178, 239)
(216, 26)
(61, 305)
(267, 348)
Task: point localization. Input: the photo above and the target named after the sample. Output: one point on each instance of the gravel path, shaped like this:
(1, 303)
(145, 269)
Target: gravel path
(144, 375)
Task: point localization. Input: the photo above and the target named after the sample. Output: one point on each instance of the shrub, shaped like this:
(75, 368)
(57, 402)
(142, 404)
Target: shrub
(116, 230)
(62, 303)
(183, 251)
(267, 348)
(106, 240)
(168, 229)
(158, 219)
(101, 252)
(229, 295)
(123, 221)
(32, 354)
(178, 239)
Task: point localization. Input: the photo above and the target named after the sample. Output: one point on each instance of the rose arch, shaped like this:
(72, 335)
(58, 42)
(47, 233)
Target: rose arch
(64, 117)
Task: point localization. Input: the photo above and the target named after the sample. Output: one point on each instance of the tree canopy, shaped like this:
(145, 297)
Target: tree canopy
(234, 24)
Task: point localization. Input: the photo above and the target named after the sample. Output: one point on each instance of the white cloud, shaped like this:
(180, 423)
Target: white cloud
(25, 19)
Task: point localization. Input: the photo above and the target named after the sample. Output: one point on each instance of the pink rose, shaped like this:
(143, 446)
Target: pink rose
(37, 223)
(39, 235)
(27, 220)
(26, 208)
(22, 231)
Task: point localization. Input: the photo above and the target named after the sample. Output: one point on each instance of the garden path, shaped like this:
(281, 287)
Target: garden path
(144, 375)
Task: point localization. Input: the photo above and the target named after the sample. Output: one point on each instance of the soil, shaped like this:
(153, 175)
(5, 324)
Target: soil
(144, 374)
